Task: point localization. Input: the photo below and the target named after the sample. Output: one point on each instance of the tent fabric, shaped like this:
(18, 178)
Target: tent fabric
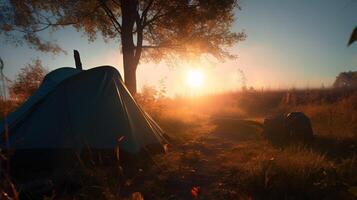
(74, 109)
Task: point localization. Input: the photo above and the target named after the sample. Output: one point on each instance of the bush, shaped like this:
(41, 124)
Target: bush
(27, 81)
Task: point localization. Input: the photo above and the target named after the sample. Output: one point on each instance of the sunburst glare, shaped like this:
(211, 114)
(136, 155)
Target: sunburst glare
(195, 78)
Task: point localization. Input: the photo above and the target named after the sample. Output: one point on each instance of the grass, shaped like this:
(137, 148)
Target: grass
(232, 160)
(218, 151)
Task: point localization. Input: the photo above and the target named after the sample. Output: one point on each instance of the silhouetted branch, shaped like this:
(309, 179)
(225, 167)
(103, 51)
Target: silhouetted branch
(161, 46)
(144, 14)
(111, 16)
(154, 18)
(49, 23)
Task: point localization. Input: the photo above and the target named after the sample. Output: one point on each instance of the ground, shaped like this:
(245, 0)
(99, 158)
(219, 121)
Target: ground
(228, 158)
(217, 151)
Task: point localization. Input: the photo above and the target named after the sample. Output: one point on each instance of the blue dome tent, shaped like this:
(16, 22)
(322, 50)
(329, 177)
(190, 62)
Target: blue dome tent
(75, 109)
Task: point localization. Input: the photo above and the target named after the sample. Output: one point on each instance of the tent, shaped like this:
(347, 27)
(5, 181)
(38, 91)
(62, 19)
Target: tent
(75, 109)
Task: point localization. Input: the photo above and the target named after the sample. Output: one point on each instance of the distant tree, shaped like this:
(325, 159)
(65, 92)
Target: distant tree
(151, 99)
(27, 81)
(148, 95)
(242, 79)
(155, 29)
(346, 79)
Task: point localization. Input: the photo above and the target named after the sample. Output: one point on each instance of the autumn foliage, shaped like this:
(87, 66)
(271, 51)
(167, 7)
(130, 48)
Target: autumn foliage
(27, 81)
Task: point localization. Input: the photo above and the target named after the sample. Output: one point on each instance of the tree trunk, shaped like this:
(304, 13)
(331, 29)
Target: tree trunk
(130, 63)
(130, 78)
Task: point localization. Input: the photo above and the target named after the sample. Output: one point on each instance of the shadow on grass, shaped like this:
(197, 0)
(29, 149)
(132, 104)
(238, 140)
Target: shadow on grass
(241, 129)
(237, 129)
(335, 149)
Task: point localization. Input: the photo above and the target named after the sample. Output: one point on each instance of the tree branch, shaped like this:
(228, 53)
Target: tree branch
(49, 23)
(154, 18)
(111, 16)
(159, 46)
(145, 12)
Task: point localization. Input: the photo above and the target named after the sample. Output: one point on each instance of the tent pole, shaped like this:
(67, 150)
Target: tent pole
(77, 59)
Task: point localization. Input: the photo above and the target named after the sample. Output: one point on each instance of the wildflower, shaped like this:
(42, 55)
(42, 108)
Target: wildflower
(194, 191)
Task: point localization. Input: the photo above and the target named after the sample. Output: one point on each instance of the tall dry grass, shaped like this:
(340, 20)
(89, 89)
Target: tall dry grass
(255, 169)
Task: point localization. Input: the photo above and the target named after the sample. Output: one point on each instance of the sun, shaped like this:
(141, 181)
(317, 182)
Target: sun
(194, 78)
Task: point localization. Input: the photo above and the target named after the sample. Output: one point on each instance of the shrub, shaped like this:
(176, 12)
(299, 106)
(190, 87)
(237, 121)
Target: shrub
(27, 81)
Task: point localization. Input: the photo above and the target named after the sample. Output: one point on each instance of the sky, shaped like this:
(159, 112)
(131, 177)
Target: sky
(290, 44)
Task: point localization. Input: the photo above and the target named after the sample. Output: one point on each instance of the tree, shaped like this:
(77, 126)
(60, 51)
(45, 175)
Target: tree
(155, 29)
(346, 80)
(27, 81)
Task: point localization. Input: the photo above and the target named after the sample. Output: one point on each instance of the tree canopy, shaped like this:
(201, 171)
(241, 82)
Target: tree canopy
(346, 80)
(155, 29)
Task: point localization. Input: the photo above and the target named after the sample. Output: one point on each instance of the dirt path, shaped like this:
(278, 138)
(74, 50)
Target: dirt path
(205, 163)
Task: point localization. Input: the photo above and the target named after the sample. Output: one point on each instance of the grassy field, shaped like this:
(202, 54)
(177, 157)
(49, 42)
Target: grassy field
(217, 151)
(220, 153)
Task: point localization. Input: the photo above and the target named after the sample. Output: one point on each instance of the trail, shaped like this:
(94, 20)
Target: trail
(207, 162)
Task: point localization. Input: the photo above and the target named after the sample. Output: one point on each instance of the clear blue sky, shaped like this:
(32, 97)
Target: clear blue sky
(291, 43)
